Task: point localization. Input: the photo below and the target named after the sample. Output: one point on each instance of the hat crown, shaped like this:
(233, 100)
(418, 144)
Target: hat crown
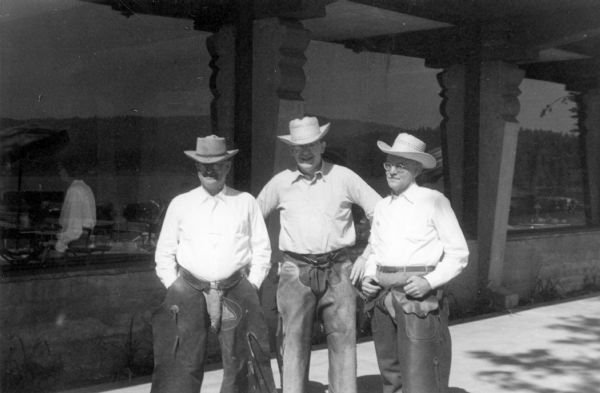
(407, 143)
(412, 148)
(305, 128)
(211, 146)
(210, 149)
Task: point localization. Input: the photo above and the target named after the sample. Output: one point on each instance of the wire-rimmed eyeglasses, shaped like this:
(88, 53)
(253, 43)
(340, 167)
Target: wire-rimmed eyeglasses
(396, 165)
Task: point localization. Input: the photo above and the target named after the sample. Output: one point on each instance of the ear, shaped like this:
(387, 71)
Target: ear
(418, 169)
(323, 146)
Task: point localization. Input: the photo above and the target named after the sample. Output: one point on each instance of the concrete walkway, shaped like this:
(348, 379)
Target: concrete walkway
(548, 349)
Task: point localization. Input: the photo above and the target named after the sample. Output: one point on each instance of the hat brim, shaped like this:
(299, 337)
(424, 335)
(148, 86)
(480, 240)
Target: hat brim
(210, 159)
(287, 139)
(427, 160)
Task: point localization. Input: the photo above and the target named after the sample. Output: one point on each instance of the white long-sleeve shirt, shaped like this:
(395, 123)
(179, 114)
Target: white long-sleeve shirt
(213, 237)
(78, 211)
(418, 228)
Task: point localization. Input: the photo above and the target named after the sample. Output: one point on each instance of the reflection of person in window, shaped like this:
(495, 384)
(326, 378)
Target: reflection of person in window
(78, 212)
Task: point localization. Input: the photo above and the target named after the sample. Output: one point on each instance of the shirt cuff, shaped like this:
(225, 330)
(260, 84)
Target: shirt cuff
(370, 267)
(168, 279)
(257, 275)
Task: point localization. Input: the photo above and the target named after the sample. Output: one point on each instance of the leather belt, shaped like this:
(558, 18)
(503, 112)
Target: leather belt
(405, 269)
(203, 285)
(316, 259)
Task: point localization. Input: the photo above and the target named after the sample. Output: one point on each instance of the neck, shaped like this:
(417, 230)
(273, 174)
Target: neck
(401, 191)
(213, 191)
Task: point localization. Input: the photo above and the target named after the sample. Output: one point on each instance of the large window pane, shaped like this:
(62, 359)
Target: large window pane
(548, 179)
(131, 94)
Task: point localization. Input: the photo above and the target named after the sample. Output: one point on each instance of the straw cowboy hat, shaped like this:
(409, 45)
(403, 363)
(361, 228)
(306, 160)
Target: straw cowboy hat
(210, 149)
(409, 147)
(304, 131)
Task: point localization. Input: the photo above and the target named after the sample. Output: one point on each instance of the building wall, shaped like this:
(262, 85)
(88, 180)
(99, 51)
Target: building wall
(537, 267)
(62, 328)
(564, 262)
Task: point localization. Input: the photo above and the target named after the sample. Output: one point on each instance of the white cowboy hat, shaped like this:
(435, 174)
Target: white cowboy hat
(210, 149)
(304, 131)
(409, 147)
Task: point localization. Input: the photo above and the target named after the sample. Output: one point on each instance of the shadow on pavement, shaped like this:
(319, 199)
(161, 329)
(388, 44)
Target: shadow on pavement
(579, 331)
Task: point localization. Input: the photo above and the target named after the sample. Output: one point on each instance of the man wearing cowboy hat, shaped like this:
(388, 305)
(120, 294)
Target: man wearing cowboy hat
(212, 255)
(417, 247)
(314, 200)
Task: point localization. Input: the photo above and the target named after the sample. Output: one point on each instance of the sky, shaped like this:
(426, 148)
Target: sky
(67, 58)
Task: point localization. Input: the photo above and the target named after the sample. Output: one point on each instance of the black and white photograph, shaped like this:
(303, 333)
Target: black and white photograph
(299, 196)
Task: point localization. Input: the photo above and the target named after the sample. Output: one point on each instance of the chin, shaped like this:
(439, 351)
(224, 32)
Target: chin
(211, 183)
(397, 186)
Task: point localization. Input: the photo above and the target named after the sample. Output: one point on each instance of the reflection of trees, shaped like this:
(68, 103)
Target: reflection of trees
(542, 363)
(548, 163)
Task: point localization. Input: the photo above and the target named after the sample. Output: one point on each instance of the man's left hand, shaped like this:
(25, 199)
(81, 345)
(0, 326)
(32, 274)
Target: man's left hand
(417, 287)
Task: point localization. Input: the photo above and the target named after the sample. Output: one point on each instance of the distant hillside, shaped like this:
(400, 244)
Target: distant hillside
(157, 143)
(547, 162)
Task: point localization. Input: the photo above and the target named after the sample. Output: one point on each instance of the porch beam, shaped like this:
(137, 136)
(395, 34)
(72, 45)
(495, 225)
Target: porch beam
(581, 74)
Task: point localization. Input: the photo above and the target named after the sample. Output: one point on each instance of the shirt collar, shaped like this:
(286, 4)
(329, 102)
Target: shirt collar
(319, 174)
(205, 196)
(410, 194)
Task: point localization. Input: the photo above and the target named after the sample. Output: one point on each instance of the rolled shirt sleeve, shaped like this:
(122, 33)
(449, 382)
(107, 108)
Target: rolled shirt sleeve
(362, 194)
(268, 198)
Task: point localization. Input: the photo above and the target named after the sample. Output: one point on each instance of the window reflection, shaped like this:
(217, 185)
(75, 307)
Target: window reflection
(548, 181)
(131, 166)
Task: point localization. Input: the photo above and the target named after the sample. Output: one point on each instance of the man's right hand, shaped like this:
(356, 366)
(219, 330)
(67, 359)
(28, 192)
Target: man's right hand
(370, 286)
(358, 269)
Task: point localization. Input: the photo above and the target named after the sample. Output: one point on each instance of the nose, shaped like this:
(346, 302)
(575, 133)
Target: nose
(208, 169)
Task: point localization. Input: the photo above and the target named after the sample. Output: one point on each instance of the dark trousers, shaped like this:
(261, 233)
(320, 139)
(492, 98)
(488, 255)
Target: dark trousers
(413, 351)
(180, 330)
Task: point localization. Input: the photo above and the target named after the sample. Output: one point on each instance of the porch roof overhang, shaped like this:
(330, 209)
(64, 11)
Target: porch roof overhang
(563, 36)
